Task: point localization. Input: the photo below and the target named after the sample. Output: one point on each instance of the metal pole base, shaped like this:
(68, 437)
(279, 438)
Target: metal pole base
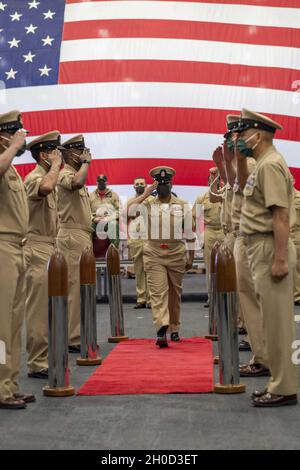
(59, 391)
(216, 360)
(89, 362)
(117, 339)
(212, 337)
(230, 389)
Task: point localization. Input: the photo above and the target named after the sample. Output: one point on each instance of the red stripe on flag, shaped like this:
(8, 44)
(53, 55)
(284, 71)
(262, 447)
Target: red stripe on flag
(197, 30)
(263, 3)
(96, 71)
(123, 171)
(131, 119)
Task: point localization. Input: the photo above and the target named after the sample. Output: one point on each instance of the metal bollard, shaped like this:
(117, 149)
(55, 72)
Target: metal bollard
(88, 321)
(229, 374)
(115, 295)
(212, 322)
(58, 328)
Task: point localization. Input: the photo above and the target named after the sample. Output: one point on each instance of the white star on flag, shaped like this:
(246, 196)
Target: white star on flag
(11, 74)
(14, 42)
(16, 16)
(47, 41)
(2, 6)
(45, 71)
(30, 29)
(49, 14)
(28, 57)
(33, 4)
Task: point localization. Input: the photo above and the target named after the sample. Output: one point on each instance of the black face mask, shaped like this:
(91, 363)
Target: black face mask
(101, 186)
(163, 190)
(139, 190)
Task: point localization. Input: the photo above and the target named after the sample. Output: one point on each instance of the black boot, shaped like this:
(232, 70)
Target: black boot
(175, 337)
(161, 339)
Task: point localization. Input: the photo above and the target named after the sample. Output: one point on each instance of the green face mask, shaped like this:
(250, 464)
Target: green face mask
(241, 145)
(230, 144)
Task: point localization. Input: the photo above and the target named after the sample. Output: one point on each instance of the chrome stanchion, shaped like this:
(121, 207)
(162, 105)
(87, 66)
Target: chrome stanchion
(115, 296)
(229, 376)
(88, 322)
(58, 328)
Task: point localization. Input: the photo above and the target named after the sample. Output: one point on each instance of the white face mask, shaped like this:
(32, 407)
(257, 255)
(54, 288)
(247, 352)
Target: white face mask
(248, 140)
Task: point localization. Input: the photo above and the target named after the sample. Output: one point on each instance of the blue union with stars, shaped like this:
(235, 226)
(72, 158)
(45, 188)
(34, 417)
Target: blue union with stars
(30, 42)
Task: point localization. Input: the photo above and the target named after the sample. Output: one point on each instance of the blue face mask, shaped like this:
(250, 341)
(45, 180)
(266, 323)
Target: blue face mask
(241, 145)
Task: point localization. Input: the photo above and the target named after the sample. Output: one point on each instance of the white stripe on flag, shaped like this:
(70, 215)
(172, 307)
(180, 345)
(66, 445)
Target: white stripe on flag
(182, 95)
(178, 145)
(208, 12)
(180, 49)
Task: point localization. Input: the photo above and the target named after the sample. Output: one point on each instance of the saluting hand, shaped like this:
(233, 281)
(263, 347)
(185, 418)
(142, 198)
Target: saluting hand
(149, 190)
(55, 157)
(218, 155)
(86, 155)
(18, 139)
(279, 270)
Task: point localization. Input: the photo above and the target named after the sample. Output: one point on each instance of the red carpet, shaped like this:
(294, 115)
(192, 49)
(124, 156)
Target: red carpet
(137, 366)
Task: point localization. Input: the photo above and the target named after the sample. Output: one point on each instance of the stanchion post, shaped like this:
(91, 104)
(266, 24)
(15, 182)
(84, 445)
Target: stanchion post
(88, 321)
(115, 295)
(58, 328)
(229, 376)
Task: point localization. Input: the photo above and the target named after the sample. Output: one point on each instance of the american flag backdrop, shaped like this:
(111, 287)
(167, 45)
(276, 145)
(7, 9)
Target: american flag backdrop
(150, 82)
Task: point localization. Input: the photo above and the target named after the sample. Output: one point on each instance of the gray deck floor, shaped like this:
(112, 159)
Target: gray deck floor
(204, 421)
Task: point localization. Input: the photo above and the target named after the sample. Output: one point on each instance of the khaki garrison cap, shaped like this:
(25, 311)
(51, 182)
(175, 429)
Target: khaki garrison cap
(162, 174)
(252, 120)
(11, 121)
(75, 142)
(48, 141)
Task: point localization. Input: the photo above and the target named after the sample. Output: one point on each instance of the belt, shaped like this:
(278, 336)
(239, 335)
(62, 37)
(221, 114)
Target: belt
(76, 227)
(37, 238)
(255, 236)
(165, 245)
(21, 241)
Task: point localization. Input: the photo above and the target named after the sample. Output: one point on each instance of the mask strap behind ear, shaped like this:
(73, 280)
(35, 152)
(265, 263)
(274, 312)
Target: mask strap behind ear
(251, 137)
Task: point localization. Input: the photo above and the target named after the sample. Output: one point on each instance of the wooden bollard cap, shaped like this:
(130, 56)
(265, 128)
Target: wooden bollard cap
(213, 255)
(87, 267)
(225, 270)
(57, 275)
(113, 260)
